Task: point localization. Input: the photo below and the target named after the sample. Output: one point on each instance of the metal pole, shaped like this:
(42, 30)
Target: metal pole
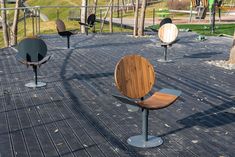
(8, 26)
(36, 20)
(36, 74)
(191, 12)
(111, 18)
(165, 52)
(121, 20)
(68, 44)
(154, 16)
(213, 19)
(219, 14)
(33, 23)
(57, 13)
(100, 20)
(39, 12)
(145, 114)
(24, 23)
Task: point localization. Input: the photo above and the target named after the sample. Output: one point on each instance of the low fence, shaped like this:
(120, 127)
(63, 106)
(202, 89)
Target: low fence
(41, 19)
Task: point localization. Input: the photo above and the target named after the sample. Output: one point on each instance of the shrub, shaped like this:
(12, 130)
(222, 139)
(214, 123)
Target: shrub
(178, 4)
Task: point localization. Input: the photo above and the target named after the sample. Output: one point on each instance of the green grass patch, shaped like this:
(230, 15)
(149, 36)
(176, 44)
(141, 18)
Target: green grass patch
(205, 29)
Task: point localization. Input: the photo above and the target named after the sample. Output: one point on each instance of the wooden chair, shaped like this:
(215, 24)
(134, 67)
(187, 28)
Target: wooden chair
(134, 78)
(167, 34)
(32, 52)
(61, 29)
(90, 23)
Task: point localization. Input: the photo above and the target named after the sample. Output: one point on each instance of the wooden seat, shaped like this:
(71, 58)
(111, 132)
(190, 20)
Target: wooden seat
(61, 29)
(32, 52)
(158, 101)
(134, 78)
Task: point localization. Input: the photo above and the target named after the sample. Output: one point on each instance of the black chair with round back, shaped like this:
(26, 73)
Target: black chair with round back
(90, 23)
(165, 21)
(32, 52)
(61, 28)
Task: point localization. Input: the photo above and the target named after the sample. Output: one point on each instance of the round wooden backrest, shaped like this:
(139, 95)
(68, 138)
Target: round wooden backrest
(91, 19)
(32, 49)
(134, 76)
(60, 26)
(168, 33)
(165, 21)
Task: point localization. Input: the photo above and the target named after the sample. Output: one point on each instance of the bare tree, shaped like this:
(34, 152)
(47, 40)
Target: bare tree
(111, 18)
(232, 52)
(142, 18)
(105, 16)
(15, 24)
(135, 31)
(4, 23)
(95, 6)
(83, 15)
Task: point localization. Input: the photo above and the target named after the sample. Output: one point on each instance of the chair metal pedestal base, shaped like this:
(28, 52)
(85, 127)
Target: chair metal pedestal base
(165, 54)
(145, 140)
(139, 141)
(164, 61)
(65, 48)
(33, 85)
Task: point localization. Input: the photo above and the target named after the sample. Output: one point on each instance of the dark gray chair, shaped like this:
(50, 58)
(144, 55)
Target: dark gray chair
(61, 28)
(165, 21)
(90, 23)
(32, 52)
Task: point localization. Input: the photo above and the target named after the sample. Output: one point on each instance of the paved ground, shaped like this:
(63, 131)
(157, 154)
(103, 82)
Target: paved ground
(75, 114)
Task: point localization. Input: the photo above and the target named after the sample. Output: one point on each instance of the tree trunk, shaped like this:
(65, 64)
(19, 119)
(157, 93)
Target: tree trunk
(232, 52)
(105, 16)
(142, 18)
(135, 31)
(4, 24)
(95, 6)
(83, 15)
(15, 24)
(111, 18)
(133, 4)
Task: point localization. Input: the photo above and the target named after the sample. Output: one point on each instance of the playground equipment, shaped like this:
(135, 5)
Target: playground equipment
(200, 6)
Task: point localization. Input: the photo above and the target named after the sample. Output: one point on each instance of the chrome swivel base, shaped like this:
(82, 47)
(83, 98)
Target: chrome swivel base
(33, 85)
(138, 141)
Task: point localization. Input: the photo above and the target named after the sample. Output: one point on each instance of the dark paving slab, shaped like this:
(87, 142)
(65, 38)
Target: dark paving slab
(75, 114)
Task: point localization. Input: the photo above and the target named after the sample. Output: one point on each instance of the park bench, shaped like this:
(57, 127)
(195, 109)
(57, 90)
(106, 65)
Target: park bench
(134, 78)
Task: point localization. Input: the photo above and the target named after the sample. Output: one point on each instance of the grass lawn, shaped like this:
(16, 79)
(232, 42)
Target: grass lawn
(204, 29)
